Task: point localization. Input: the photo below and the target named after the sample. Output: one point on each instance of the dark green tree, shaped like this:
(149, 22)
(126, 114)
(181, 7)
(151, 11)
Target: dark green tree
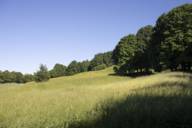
(124, 53)
(172, 39)
(132, 52)
(141, 59)
(125, 50)
(42, 74)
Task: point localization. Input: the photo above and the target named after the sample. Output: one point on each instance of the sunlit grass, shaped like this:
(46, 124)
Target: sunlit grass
(63, 101)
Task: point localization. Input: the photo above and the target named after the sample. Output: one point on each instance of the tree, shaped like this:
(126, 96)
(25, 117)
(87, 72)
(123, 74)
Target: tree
(141, 59)
(124, 53)
(77, 67)
(7, 77)
(132, 54)
(73, 68)
(28, 78)
(1, 77)
(97, 60)
(107, 59)
(42, 74)
(125, 50)
(172, 39)
(18, 77)
(58, 70)
(101, 59)
(11, 77)
(83, 66)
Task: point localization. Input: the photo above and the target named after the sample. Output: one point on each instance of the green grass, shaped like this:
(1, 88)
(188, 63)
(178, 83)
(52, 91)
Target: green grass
(99, 100)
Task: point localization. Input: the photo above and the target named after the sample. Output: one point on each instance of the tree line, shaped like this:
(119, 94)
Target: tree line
(167, 45)
(15, 77)
(99, 62)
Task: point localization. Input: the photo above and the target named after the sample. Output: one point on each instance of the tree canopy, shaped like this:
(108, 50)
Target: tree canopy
(166, 46)
(131, 53)
(125, 49)
(172, 38)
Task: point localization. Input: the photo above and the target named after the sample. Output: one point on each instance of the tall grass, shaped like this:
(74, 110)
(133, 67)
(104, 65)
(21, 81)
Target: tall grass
(96, 99)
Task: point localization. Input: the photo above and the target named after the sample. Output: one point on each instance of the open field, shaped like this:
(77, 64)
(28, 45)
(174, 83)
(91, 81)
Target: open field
(99, 100)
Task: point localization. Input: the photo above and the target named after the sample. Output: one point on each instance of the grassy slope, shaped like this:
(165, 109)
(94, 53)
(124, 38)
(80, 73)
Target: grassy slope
(97, 99)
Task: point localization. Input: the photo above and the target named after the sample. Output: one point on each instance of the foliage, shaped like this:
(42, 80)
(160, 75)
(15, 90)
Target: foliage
(14, 77)
(107, 58)
(77, 67)
(73, 68)
(101, 59)
(172, 38)
(125, 50)
(131, 54)
(58, 70)
(99, 67)
(42, 74)
(28, 78)
(83, 66)
(166, 46)
(141, 59)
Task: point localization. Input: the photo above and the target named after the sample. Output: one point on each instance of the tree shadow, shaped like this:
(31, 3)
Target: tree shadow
(133, 75)
(146, 109)
(139, 74)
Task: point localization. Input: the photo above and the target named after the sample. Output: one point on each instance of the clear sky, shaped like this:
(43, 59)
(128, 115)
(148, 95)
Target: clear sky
(59, 31)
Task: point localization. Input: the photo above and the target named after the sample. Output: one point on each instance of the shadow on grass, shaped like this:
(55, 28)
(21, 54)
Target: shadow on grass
(160, 106)
(134, 75)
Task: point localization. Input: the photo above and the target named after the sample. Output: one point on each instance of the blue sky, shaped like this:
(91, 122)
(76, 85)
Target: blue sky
(59, 31)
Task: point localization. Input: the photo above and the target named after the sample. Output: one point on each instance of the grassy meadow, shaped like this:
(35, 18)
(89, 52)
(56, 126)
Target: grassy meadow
(99, 100)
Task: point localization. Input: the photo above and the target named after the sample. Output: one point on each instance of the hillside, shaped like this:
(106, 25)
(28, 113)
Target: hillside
(99, 99)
